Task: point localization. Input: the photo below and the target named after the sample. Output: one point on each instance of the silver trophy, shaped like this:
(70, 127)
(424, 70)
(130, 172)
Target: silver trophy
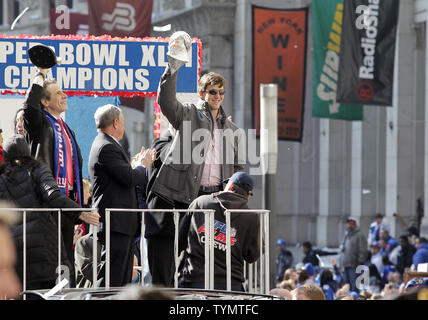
(178, 50)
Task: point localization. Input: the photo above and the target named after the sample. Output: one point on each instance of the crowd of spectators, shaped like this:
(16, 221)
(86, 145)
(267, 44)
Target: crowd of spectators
(380, 275)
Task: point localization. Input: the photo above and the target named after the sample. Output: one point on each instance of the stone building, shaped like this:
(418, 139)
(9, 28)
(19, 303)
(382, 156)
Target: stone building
(340, 168)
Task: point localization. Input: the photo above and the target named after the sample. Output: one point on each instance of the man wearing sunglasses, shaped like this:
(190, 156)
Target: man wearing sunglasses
(204, 151)
(206, 148)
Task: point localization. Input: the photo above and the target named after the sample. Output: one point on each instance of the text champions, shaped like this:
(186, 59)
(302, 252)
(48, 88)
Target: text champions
(98, 66)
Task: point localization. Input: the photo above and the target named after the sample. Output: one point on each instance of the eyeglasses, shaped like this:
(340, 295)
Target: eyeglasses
(214, 92)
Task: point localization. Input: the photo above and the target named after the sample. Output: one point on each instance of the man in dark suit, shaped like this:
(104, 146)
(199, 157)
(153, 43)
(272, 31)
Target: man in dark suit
(160, 229)
(53, 142)
(113, 186)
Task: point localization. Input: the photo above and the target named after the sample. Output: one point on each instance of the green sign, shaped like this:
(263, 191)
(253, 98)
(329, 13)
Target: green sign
(327, 29)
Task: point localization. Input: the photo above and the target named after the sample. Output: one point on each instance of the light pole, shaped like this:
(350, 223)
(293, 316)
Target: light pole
(269, 157)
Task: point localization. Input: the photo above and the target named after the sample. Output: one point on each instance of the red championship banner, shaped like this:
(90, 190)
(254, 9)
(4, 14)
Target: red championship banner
(119, 19)
(279, 51)
(123, 18)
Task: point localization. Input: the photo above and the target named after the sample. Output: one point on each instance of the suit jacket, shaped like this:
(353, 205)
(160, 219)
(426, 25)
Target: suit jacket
(113, 183)
(180, 176)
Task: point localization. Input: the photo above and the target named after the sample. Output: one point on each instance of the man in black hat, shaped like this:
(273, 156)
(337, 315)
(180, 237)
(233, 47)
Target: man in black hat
(52, 141)
(244, 235)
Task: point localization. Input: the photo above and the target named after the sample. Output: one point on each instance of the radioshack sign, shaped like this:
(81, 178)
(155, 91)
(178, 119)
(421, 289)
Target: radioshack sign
(125, 68)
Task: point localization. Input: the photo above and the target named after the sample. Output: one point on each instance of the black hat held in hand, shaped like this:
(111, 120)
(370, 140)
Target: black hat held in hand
(42, 56)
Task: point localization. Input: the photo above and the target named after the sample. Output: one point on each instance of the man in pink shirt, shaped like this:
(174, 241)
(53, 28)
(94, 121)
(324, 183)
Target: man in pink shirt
(204, 151)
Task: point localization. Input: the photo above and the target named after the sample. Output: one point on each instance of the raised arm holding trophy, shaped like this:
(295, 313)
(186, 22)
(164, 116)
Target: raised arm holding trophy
(180, 181)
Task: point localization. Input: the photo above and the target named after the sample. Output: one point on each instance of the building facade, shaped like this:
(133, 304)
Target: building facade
(340, 168)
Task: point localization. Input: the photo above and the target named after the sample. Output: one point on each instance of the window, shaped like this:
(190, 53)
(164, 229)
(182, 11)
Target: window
(55, 3)
(1, 12)
(16, 11)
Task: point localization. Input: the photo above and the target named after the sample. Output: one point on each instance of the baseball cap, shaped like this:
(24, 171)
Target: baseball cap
(242, 180)
(281, 242)
(351, 219)
(309, 268)
(375, 244)
(392, 243)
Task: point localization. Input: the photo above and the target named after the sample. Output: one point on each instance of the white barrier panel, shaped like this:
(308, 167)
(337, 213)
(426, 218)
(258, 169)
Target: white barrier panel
(24, 236)
(209, 259)
(264, 252)
(209, 245)
(252, 279)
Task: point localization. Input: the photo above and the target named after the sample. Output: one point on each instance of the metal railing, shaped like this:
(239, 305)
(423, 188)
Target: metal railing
(209, 258)
(253, 270)
(24, 235)
(264, 253)
(209, 247)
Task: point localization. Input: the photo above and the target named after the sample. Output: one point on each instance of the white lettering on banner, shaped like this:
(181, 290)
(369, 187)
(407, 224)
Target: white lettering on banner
(109, 79)
(85, 74)
(66, 77)
(86, 65)
(139, 75)
(9, 73)
(6, 48)
(122, 56)
(14, 76)
(327, 88)
(148, 55)
(76, 78)
(97, 79)
(104, 54)
(83, 54)
(125, 79)
(66, 52)
(27, 75)
(101, 54)
(161, 57)
(368, 20)
(20, 52)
